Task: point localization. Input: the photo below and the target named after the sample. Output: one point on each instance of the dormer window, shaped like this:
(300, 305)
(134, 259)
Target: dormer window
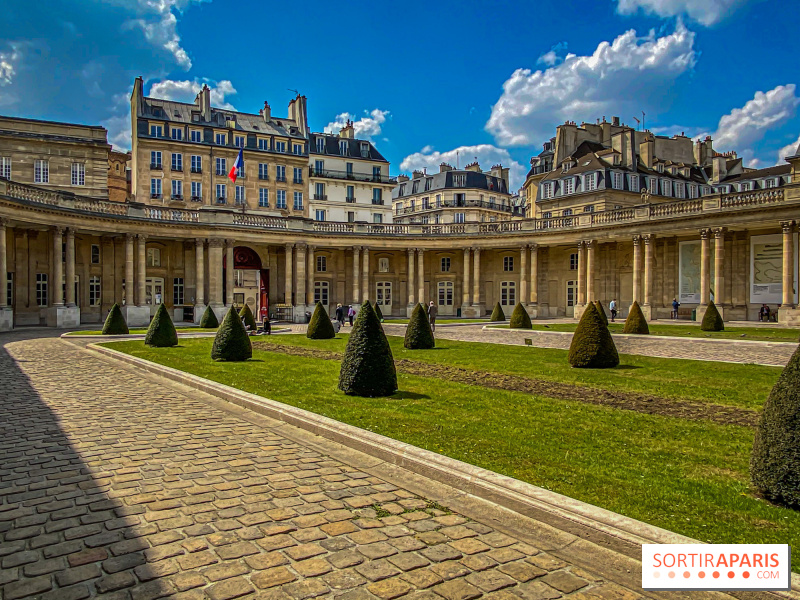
(666, 187)
(460, 180)
(569, 185)
(660, 167)
(770, 183)
(590, 182)
(364, 150)
(566, 167)
(745, 186)
(320, 145)
(428, 183)
(343, 148)
(547, 191)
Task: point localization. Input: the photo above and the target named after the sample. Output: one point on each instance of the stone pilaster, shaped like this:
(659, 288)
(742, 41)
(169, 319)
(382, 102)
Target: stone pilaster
(287, 276)
(365, 274)
(229, 271)
(356, 276)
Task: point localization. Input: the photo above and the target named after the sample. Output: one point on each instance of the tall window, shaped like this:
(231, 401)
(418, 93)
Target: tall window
(591, 181)
(508, 293)
(280, 199)
(445, 293)
(10, 288)
(155, 159)
(263, 144)
(239, 194)
(322, 264)
(383, 293)
(41, 171)
(78, 174)
(197, 190)
(280, 173)
(298, 200)
(177, 161)
(5, 167)
(343, 148)
(297, 148)
(222, 193)
(679, 190)
(376, 174)
(238, 141)
(319, 215)
(41, 289)
(666, 187)
(221, 170)
(321, 145)
(177, 188)
(197, 164)
(617, 181)
(95, 254)
(94, 291)
(460, 180)
(222, 139)
(154, 257)
(155, 188)
(348, 169)
(319, 167)
(508, 263)
(569, 185)
(459, 217)
(573, 262)
(177, 291)
(196, 135)
(321, 289)
(156, 131)
(446, 264)
(377, 196)
(263, 171)
(298, 175)
(177, 133)
(280, 147)
(351, 193)
(547, 190)
(634, 183)
(263, 197)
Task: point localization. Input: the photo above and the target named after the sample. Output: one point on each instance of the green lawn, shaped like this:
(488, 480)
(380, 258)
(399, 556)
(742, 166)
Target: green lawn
(686, 476)
(144, 330)
(438, 321)
(768, 334)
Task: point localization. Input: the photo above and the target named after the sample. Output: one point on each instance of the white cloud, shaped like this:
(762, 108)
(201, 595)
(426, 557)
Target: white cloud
(617, 74)
(186, 91)
(706, 12)
(742, 127)
(9, 61)
(366, 127)
(486, 154)
(158, 20)
(788, 150)
(119, 125)
(552, 57)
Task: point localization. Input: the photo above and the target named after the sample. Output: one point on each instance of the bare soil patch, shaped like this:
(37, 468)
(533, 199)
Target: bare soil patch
(642, 403)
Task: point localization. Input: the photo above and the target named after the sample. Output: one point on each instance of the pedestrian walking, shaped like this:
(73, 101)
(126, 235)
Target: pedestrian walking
(351, 313)
(340, 314)
(612, 307)
(675, 305)
(432, 312)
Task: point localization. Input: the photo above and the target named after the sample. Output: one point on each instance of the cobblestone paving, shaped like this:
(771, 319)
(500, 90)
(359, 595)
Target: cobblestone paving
(116, 485)
(766, 353)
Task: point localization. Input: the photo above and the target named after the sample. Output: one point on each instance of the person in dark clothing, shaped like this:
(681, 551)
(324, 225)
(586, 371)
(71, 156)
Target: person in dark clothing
(351, 313)
(675, 305)
(340, 314)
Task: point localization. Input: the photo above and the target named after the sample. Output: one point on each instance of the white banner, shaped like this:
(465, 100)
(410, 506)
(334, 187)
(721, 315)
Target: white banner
(716, 567)
(766, 269)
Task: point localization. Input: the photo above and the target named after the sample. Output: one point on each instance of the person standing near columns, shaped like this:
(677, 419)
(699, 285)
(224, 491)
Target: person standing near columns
(534, 275)
(476, 278)
(421, 274)
(465, 291)
(310, 271)
(365, 274)
(356, 275)
(705, 268)
(229, 271)
(637, 268)
(590, 266)
(58, 266)
(200, 282)
(788, 264)
(523, 274)
(4, 299)
(649, 241)
(70, 268)
(287, 281)
(719, 266)
(411, 282)
(581, 274)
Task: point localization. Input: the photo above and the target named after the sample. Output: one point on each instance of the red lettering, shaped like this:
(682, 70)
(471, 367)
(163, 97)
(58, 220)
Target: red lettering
(734, 559)
(745, 561)
(657, 559)
(671, 558)
(681, 560)
(757, 561)
(709, 558)
(774, 560)
(722, 561)
(693, 555)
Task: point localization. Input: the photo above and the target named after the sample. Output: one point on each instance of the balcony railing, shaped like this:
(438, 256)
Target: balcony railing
(320, 197)
(156, 166)
(177, 197)
(296, 180)
(222, 200)
(350, 199)
(377, 201)
(280, 179)
(462, 204)
(155, 196)
(197, 170)
(263, 177)
(196, 199)
(365, 177)
(177, 167)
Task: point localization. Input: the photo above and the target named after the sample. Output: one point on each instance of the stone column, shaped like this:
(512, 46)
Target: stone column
(130, 285)
(300, 275)
(200, 282)
(421, 275)
(356, 275)
(411, 279)
(637, 268)
(719, 266)
(590, 265)
(141, 271)
(287, 281)
(649, 242)
(3, 265)
(476, 277)
(365, 274)
(70, 268)
(215, 273)
(534, 274)
(523, 275)
(229, 281)
(465, 291)
(705, 268)
(581, 274)
(788, 264)
(58, 267)
(310, 271)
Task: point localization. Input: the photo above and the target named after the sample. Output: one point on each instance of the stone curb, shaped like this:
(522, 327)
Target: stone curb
(502, 490)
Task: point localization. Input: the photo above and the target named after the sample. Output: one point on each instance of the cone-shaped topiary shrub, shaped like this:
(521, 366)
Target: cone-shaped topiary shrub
(775, 462)
(636, 323)
(418, 333)
(497, 313)
(231, 342)
(368, 366)
(712, 320)
(115, 322)
(520, 318)
(161, 333)
(320, 326)
(378, 313)
(248, 317)
(209, 319)
(592, 346)
(601, 311)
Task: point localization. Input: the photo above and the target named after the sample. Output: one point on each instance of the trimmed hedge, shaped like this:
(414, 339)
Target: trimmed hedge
(320, 326)
(161, 333)
(497, 313)
(115, 322)
(418, 333)
(601, 311)
(231, 342)
(209, 319)
(249, 319)
(378, 313)
(520, 318)
(775, 461)
(368, 365)
(636, 323)
(592, 346)
(712, 320)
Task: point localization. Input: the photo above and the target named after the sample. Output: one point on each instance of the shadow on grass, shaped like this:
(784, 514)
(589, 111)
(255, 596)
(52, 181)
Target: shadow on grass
(401, 395)
(626, 367)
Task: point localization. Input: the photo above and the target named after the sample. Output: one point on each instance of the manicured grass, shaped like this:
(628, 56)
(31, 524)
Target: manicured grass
(689, 477)
(144, 330)
(438, 321)
(767, 334)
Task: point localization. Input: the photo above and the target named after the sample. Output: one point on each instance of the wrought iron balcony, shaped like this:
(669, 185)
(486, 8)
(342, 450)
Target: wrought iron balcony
(177, 167)
(347, 175)
(196, 170)
(156, 166)
(320, 197)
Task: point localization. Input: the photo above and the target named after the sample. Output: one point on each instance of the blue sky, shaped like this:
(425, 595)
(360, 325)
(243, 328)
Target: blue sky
(423, 80)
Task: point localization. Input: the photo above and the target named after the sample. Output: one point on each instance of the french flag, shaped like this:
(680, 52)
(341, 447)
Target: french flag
(238, 164)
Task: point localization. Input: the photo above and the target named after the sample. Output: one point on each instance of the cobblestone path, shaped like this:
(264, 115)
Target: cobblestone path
(118, 485)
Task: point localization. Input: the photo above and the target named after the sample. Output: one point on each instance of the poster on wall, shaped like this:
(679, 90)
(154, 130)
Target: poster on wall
(690, 254)
(766, 269)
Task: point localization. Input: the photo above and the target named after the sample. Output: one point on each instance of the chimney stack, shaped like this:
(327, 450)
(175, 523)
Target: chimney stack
(203, 101)
(266, 112)
(348, 132)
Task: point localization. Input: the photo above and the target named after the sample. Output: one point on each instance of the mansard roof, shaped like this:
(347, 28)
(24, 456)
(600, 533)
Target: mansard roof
(353, 148)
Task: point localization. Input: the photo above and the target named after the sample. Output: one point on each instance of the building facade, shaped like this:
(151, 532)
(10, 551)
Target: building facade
(348, 179)
(454, 196)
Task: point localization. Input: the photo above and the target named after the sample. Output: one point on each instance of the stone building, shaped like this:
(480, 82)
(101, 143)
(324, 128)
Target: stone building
(119, 182)
(348, 179)
(467, 195)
